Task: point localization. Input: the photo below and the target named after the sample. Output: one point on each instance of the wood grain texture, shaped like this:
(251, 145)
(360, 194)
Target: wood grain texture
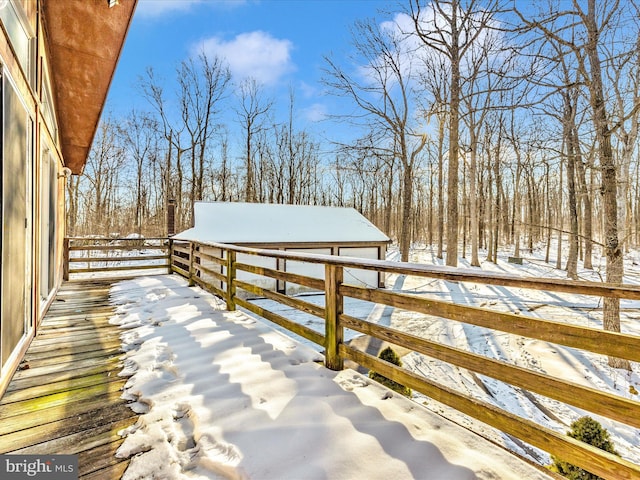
(66, 397)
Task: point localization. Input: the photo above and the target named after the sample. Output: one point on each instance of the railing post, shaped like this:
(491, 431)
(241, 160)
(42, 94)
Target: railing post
(231, 276)
(92, 243)
(333, 309)
(192, 256)
(171, 217)
(65, 259)
(170, 255)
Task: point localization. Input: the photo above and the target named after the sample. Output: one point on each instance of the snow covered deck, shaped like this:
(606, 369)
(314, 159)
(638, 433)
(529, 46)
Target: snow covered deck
(222, 394)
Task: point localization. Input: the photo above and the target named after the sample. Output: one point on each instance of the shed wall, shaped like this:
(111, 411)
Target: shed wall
(312, 270)
(352, 276)
(356, 276)
(264, 282)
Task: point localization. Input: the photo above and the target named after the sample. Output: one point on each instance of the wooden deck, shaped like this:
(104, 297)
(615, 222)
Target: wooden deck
(65, 398)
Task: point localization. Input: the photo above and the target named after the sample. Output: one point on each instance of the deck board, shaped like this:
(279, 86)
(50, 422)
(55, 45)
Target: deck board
(65, 398)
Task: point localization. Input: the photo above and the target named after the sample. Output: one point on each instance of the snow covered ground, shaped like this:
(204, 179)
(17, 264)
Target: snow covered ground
(216, 387)
(558, 361)
(561, 362)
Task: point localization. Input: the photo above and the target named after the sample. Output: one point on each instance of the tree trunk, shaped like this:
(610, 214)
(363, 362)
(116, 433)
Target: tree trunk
(389, 203)
(72, 215)
(559, 221)
(489, 208)
(405, 228)
(465, 213)
(452, 178)
(517, 209)
(587, 209)
(615, 267)
(569, 119)
(497, 204)
(473, 202)
(549, 209)
(440, 187)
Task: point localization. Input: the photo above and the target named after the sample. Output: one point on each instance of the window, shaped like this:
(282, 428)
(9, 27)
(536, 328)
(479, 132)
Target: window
(48, 204)
(16, 155)
(15, 24)
(48, 111)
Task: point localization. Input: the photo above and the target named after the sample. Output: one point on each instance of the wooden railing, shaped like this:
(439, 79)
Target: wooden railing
(107, 256)
(224, 270)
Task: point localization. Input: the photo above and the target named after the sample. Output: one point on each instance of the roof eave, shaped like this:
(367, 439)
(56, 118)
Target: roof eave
(84, 39)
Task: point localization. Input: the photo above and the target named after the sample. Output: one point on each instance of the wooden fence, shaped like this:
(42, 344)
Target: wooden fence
(227, 270)
(108, 257)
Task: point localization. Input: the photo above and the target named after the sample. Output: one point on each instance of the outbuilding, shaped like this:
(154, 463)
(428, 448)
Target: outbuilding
(293, 228)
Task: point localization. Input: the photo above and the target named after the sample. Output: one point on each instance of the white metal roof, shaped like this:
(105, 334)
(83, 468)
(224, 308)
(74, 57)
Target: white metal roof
(230, 222)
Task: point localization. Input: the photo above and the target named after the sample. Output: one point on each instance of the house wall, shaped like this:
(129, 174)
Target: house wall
(32, 193)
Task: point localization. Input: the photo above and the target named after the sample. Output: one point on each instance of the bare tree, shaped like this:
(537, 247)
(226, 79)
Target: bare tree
(384, 100)
(296, 152)
(138, 134)
(595, 22)
(101, 178)
(295, 155)
(624, 78)
(584, 162)
(485, 87)
(451, 28)
(153, 91)
(252, 113)
(569, 135)
(203, 85)
(433, 75)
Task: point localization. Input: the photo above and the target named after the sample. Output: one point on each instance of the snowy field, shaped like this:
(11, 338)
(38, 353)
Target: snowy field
(175, 330)
(557, 361)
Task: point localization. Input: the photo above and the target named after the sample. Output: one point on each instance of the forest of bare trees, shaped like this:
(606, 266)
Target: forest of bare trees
(476, 128)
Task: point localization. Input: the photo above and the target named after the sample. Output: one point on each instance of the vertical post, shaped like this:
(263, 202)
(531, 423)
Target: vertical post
(171, 217)
(65, 259)
(231, 276)
(192, 256)
(170, 255)
(333, 309)
(382, 276)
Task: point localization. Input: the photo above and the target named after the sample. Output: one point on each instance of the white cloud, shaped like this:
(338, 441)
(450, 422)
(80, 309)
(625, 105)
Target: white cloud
(255, 54)
(316, 112)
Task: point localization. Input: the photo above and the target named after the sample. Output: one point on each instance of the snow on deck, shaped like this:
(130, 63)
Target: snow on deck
(223, 395)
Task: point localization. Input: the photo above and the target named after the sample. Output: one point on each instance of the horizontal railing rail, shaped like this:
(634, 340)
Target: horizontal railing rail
(235, 272)
(108, 256)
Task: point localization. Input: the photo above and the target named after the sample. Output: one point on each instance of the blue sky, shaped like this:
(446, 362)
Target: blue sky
(281, 43)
